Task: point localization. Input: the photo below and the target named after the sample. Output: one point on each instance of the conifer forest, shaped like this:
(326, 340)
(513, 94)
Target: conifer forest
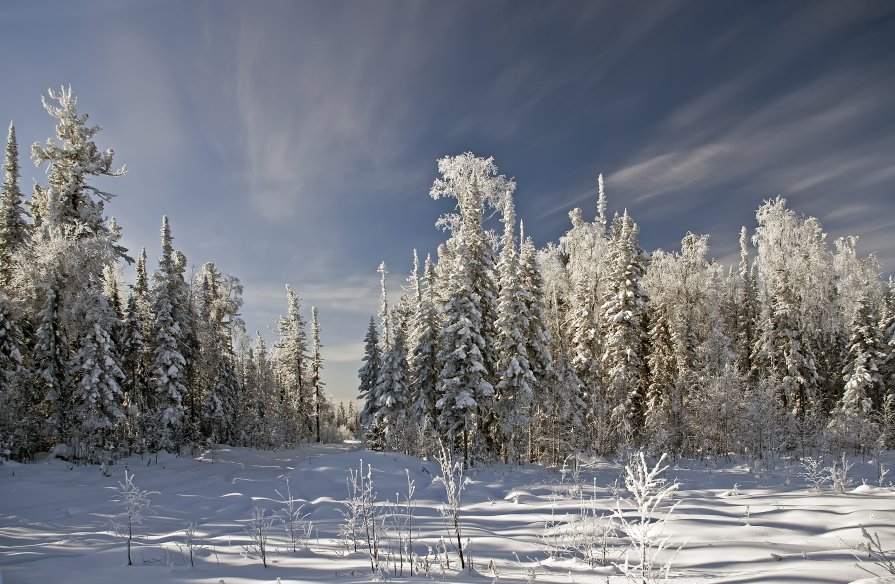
(494, 348)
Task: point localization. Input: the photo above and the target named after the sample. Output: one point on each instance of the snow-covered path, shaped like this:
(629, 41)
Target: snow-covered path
(55, 520)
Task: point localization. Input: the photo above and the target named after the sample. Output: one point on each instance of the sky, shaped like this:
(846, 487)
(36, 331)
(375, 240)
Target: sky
(295, 142)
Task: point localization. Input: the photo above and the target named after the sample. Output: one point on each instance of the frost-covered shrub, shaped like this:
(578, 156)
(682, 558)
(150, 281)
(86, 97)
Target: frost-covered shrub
(258, 530)
(293, 522)
(645, 529)
(135, 504)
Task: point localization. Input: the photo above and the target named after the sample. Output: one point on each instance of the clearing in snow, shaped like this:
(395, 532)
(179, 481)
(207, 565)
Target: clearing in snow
(734, 522)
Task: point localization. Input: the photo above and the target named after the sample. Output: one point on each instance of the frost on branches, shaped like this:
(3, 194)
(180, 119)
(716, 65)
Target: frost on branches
(594, 344)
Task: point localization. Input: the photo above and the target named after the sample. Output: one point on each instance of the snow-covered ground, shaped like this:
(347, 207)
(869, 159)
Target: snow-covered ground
(733, 524)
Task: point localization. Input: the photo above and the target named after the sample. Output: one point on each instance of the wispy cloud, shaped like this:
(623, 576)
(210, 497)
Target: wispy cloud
(313, 121)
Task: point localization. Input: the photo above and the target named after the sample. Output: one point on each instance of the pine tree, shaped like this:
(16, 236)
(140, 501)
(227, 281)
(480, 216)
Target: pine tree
(538, 337)
(384, 312)
(14, 230)
(73, 250)
(70, 164)
(601, 205)
(587, 268)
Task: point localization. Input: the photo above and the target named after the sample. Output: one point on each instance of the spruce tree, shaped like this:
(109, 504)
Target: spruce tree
(316, 369)
(168, 369)
(269, 407)
(625, 315)
(423, 359)
(746, 307)
(368, 375)
(392, 394)
(514, 392)
(537, 339)
(48, 366)
(292, 369)
(467, 341)
(852, 423)
(463, 389)
(16, 395)
(14, 230)
(537, 335)
(215, 382)
(887, 328)
(663, 406)
(98, 396)
(136, 357)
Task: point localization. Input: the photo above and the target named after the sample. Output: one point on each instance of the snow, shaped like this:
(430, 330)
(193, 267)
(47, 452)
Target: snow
(733, 522)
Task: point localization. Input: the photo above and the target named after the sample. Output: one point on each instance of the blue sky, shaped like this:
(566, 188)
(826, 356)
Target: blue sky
(296, 141)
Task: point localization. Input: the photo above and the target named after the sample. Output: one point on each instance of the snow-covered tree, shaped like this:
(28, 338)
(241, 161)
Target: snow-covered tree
(467, 341)
(368, 374)
(795, 287)
(537, 335)
(135, 504)
(96, 371)
(423, 359)
(292, 362)
(135, 355)
(625, 315)
(168, 369)
(392, 393)
(663, 408)
(852, 424)
(464, 393)
(514, 392)
(316, 368)
(269, 407)
(583, 244)
(14, 229)
(218, 299)
(16, 401)
(745, 307)
(71, 163)
(887, 328)
(63, 273)
(385, 315)
(49, 358)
